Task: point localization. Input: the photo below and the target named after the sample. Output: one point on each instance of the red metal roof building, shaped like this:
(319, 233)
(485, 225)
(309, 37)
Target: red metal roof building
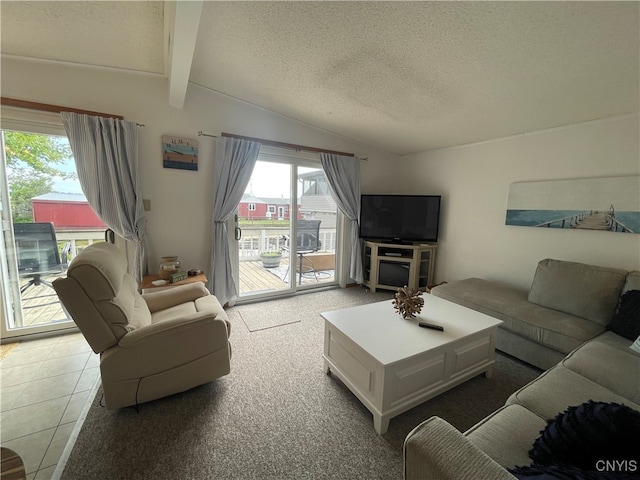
(65, 211)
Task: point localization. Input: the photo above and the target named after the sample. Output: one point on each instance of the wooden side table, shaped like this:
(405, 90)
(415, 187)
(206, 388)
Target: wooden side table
(147, 286)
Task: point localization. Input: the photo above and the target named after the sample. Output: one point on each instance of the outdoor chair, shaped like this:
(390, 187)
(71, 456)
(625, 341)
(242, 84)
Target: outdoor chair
(307, 241)
(38, 254)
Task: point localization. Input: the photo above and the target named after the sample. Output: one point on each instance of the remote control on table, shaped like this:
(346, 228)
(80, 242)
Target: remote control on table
(431, 326)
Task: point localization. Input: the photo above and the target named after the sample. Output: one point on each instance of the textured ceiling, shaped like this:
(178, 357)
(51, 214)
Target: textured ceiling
(404, 76)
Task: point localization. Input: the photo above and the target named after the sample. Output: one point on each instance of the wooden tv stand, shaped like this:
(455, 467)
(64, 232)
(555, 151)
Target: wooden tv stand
(389, 266)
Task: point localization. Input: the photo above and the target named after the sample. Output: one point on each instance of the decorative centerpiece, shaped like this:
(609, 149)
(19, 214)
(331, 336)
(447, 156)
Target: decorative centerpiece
(408, 302)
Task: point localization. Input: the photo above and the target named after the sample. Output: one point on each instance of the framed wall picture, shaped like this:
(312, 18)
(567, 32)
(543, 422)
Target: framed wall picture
(180, 153)
(606, 203)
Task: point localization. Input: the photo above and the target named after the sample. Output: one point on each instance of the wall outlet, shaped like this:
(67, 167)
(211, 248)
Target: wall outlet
(146, 203)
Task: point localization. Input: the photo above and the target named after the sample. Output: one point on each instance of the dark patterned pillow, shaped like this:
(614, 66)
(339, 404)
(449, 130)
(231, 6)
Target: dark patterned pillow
(586, 434)
(626, 320)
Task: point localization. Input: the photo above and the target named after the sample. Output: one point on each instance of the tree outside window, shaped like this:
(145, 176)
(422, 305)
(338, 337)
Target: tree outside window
(33, 162)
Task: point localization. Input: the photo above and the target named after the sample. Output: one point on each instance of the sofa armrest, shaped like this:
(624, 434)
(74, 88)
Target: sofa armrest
(175, 296)
(435, 450)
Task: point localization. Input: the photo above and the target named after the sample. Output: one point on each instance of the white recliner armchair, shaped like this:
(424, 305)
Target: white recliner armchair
(150, 345)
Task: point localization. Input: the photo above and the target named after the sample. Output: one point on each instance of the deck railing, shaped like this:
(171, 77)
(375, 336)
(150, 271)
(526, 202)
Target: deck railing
(77, 240)
(567, 222)
(608, 219)
(618, 226)
(254, 242)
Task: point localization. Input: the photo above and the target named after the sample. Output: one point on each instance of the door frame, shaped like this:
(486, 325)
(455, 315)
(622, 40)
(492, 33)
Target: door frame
(44, 123)
(295, 159)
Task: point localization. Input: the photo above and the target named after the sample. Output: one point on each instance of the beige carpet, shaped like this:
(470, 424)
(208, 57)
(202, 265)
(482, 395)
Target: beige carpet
(276, 416)
(266, 315)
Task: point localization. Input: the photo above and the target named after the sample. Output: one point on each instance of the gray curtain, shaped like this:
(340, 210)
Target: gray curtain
(106, 155)
(234, 162)
(343, 174)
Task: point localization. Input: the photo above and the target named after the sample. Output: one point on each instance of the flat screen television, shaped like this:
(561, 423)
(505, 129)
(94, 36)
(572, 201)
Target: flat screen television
(400, 218)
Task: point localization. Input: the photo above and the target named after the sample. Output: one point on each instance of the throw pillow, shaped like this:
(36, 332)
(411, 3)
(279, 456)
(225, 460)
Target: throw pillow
(635, 346)
(626, 320)
(565, 472)
(584, 435)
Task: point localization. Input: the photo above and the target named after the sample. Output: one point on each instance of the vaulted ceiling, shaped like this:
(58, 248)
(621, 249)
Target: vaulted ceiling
(403, 76)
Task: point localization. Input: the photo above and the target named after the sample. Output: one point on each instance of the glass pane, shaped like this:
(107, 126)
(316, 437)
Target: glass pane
(264, 218)
(277, 254)
(48, 221)
(316, 229)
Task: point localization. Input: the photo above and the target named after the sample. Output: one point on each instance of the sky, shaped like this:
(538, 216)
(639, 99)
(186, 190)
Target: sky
(61, 185)
(271, 180)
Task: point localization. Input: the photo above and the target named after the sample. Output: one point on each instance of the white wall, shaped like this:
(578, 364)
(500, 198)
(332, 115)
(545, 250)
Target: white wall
(179, 222)
(474, 181)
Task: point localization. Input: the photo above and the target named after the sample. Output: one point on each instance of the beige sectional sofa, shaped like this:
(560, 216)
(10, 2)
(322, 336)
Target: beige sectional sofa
(568, 303)
(599, 366)
(604, 369)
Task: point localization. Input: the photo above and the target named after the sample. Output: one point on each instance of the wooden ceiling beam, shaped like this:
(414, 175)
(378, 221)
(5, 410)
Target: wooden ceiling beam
(181, 32)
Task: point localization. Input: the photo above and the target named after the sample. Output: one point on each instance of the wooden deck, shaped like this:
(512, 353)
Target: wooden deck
(40, 304)
(254, 278)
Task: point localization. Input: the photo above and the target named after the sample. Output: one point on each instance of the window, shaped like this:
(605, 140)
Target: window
(38, 187)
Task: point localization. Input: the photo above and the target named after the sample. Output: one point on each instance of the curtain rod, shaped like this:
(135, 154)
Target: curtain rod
(202, 134)
(46, 107)
(273, 143)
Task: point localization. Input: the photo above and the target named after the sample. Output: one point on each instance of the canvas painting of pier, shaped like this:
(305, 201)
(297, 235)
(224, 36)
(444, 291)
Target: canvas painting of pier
(180, 153)
(608, 203)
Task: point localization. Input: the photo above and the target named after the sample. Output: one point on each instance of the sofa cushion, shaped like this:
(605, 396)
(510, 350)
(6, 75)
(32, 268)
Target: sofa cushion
(112, 291)
(615, 341)
(559, 387)
(626, 320)
(507, 434)
(557, 330)
(586, 291)
(615, 369)
(177, 311)
(101, 280)
(587, 433)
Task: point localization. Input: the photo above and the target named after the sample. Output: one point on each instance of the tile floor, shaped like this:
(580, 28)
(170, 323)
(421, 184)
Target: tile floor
(44, 386)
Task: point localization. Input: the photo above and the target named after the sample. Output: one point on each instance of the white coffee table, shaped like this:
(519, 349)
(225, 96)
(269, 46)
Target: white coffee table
(392, 365)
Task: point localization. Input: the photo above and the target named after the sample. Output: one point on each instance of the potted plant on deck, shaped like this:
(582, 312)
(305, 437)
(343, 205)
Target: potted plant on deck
(271, 259)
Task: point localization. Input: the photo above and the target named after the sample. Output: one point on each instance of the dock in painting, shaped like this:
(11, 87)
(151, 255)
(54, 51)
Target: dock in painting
(607, 204)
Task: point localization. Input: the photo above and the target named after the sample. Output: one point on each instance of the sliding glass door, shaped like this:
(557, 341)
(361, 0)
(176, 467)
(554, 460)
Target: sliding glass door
(45, 220)
(285, 229)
